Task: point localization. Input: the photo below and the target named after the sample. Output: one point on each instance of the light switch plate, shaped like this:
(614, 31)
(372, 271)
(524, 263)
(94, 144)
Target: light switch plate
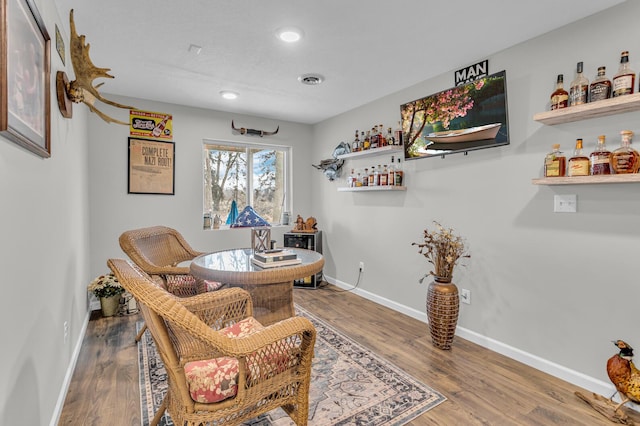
(566, 203)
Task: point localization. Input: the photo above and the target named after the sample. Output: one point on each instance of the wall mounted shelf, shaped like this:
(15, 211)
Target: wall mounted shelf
(611, 106)
(372, 188)
(583, 180)
(389, 149)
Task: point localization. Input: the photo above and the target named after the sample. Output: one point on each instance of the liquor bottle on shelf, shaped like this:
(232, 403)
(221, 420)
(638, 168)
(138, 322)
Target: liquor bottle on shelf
(560, 97)
(374, 137)
(391, 180)
(365, 177)
(358, 179)
(351, 180)
(600, 87)
(555, 164)
(579, 89)
(397, 135)
(355, 147)
(367, 141)
(624, 79)
(390, 140)
(625, 159)
(399, 173)
(382, 141)
(578, 165)
(376, 176)
(371, 176)
(600, 158)
(384, 176)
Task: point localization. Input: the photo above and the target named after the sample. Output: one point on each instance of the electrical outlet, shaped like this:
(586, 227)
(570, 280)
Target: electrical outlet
(465, 296)
(361, 266)
(565, 203)
(66, 331)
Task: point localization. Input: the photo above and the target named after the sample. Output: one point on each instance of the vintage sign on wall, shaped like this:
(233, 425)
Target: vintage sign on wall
(151, 167)
(154, 125)
(471, 73)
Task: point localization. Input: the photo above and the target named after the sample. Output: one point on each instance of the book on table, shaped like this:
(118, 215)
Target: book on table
(274, 255)
(276, 264)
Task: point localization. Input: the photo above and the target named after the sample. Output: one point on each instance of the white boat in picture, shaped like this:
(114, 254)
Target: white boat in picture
(488, 131)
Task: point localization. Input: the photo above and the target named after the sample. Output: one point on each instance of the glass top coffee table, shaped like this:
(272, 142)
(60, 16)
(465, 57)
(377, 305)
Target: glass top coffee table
(271, 289)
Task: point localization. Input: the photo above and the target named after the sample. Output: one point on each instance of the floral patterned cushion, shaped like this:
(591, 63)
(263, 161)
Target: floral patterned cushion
(205, 286)
(187, 285)
(264, 363)
(181, 285)
(212, 380)
(243, 328)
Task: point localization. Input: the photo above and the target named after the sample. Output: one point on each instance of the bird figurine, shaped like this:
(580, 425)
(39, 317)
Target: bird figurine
(624, 374)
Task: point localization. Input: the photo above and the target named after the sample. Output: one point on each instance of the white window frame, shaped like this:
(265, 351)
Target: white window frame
(288, 155)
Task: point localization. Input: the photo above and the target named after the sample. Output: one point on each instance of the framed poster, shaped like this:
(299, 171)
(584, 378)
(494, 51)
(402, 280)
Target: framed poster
(25, 66)
(151, 167)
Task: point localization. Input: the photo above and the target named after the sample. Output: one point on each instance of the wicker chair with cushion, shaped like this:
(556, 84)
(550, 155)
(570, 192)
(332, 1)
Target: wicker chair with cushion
(159, 251)
(223, 366)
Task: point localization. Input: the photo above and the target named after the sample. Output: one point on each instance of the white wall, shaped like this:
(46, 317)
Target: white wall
(114, 211)
(556, 286)
(559, 287)
(44, 258)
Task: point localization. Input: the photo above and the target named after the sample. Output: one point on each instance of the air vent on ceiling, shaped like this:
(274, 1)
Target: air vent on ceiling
(311, 79)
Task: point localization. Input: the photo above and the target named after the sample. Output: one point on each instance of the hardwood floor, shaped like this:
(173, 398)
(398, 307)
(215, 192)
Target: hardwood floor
(482, 387)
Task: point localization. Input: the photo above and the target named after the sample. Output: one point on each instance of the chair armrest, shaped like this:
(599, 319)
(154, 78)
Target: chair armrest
(299, 331)
(221, 308)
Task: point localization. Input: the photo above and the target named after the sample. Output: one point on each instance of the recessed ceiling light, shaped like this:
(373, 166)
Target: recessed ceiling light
(311, 79)
(228, 94)
(289, 34)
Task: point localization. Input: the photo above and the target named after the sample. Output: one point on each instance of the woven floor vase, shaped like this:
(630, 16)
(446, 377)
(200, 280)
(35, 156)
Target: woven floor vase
(443, 306)
(110, 305)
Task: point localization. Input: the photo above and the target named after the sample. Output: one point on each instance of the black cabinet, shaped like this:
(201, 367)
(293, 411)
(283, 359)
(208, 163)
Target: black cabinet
(309, 241)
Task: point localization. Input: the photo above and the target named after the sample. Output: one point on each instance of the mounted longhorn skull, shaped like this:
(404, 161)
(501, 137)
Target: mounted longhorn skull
(261, 133)
(82, 89)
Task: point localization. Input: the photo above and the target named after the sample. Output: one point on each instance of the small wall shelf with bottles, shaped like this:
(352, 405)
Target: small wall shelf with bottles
(582, 180)
(372, 188)
(611, 106)
(389, 149)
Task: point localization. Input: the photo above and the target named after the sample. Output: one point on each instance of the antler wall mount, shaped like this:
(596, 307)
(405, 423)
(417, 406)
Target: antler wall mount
(261, 133)
(82, 89)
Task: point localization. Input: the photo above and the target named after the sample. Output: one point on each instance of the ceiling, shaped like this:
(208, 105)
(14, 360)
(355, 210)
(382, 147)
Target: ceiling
(364, 49)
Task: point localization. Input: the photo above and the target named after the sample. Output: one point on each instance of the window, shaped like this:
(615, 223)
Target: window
(251, 174)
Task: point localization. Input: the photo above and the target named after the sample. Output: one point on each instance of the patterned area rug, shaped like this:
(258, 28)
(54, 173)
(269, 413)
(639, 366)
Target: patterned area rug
(350, 385)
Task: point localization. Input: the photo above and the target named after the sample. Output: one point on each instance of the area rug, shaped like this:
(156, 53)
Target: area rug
(350, 385)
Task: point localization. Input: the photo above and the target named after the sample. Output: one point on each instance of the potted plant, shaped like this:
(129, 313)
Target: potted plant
(443, 249)
(108, 290)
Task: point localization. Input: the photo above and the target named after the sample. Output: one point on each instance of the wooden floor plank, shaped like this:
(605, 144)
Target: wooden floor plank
(482, 387)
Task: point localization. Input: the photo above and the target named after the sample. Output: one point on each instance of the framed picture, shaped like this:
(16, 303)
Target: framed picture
(25, 67)
(151, 167)
(464, 118)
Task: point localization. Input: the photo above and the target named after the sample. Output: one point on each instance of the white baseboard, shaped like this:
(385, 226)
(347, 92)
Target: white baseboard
(55, 418)
(574, 377)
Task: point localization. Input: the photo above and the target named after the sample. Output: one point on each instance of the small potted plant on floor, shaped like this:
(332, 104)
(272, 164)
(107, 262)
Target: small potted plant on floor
(108, 290)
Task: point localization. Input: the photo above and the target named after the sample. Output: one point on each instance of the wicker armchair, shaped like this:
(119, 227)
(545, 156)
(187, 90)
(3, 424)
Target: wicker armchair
(158, 250)
(273, 363)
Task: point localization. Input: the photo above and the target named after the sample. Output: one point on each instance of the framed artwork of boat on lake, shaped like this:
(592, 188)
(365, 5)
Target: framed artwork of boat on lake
(464, 118)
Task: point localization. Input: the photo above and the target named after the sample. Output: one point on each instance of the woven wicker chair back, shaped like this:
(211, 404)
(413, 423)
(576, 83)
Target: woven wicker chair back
(186, 329)
(157, 249)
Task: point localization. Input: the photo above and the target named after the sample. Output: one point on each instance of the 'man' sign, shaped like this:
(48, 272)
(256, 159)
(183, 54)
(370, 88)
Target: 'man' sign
(472, 72)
